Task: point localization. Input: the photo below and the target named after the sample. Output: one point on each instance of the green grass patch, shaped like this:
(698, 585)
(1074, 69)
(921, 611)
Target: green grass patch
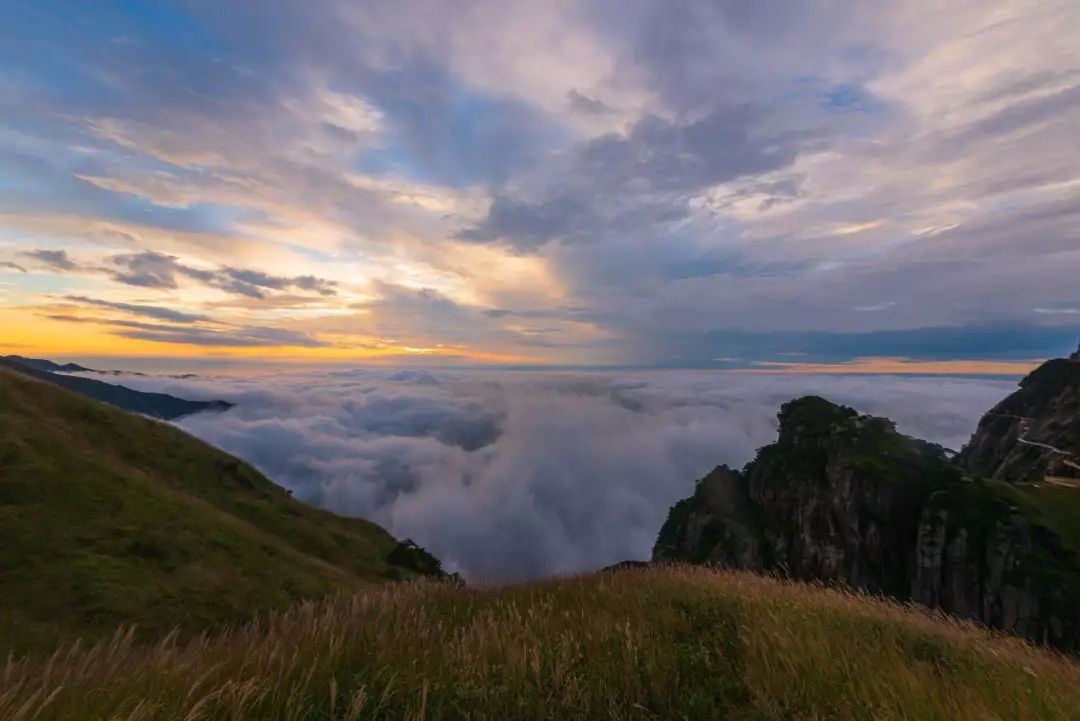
(1060, 509)
(109, 518)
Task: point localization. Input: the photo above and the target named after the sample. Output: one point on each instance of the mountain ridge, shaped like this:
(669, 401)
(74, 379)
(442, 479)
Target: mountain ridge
(1035, 431)
(159, 405)
(844, 498)
(109, 518)
(44, 364)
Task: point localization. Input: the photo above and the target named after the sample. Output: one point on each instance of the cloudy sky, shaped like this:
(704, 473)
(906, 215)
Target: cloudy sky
(761, 185)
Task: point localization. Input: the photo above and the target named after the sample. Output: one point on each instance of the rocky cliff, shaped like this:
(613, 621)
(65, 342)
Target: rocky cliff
(984, 554)
(845, 498)
(1034, 432)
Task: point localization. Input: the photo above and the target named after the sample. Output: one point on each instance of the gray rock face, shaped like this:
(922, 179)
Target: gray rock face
(718, 526)
(984, 560)
(1015, 440)
(846, 499)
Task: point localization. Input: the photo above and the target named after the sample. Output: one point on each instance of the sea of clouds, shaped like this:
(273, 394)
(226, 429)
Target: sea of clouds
(515, 475)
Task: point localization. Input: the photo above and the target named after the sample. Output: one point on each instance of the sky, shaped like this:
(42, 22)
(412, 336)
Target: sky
(761, 186)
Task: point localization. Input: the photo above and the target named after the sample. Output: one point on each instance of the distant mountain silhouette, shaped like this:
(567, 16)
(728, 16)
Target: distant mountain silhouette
(158, 405)
(46, 365)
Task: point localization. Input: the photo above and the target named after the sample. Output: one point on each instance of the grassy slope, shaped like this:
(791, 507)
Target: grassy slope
(1059, 509)
(1054, 507)
(671, 643)
(107, 517)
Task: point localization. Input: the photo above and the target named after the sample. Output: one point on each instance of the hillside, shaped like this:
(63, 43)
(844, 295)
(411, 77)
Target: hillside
(655, 643)
(158, 405)
(107, 517)
(845, 498)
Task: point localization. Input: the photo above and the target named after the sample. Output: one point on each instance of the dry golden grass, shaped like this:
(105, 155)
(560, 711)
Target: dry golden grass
(659, 643)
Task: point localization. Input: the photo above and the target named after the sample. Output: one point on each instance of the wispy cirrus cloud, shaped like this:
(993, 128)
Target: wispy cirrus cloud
(229, 337)
(212, 335)
(149, 311)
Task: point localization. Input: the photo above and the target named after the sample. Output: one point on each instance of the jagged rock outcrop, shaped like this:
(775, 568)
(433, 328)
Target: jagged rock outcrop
(980, 557)
(717, 525)
(845, 498)
(1016, 440)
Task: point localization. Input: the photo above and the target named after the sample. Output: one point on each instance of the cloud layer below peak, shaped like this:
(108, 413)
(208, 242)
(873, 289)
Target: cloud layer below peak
(521, 475)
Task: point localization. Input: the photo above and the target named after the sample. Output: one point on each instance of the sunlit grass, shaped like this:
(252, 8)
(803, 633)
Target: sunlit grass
(644, 644)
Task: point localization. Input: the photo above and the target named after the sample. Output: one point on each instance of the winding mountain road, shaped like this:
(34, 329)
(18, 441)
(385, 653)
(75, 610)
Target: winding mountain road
(1063, 481)
(1024, 425)
(1047, 446)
